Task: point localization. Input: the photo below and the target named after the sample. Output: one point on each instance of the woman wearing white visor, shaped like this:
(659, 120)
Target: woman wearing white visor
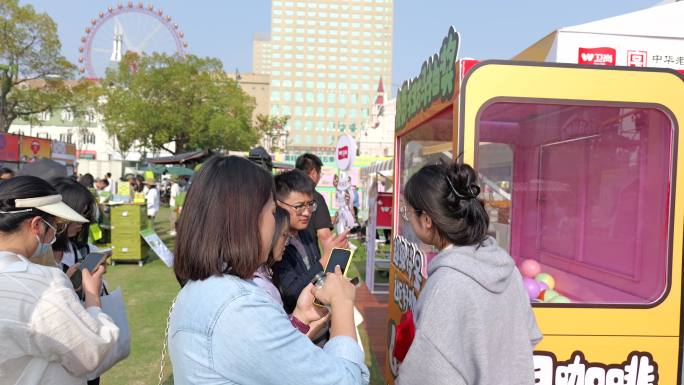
(46, 334)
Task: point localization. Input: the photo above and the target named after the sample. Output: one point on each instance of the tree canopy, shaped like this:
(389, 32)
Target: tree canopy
(32, 68)
(158, 99)
(271, 130)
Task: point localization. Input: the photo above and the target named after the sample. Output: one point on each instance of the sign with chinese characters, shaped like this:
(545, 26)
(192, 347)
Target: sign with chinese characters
(615, 50)
(638, 369)
(409, 264)
(435, 82)
(603, 56)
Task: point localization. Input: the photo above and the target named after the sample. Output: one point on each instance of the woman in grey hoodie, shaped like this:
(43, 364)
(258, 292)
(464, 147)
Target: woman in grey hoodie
(474, 323)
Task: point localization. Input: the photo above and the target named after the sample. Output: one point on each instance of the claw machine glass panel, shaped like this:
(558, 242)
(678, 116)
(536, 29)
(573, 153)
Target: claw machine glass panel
(580, 173)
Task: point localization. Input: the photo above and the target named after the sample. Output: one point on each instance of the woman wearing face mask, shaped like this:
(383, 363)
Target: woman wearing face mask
(46, 335)
(223, 328)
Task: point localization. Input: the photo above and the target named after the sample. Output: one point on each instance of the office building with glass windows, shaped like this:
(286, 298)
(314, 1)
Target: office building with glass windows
(326, 59)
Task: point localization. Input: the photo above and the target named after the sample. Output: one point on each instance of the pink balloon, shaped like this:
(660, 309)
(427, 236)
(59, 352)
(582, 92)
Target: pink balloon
(532, 287)
(530, 268)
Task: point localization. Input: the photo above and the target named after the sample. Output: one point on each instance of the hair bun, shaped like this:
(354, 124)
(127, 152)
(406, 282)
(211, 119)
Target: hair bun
(461, 179)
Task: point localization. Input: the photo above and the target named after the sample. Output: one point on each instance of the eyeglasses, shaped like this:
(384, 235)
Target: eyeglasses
(404, 211)
(299, 209)
(59, 227)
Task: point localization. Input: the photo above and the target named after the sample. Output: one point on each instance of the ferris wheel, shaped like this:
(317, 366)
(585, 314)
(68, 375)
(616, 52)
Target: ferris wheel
(127, 28)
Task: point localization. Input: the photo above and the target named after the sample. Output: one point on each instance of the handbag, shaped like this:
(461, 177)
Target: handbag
(113, 305)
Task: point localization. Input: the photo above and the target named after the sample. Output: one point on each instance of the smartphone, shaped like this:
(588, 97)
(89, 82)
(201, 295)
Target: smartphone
(77, 280)
(92, 261)
(341, 257)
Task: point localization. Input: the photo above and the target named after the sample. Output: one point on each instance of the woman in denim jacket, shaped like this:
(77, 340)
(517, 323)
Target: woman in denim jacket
(223, 328)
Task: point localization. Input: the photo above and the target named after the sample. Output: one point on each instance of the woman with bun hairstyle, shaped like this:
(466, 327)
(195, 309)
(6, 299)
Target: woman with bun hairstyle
(46, 335)
(473, 320)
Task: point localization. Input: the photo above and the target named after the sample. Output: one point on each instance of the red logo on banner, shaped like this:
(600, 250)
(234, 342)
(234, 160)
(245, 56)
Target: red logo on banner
(343, 153)
(637, 58)
(35, 146)
(602, 56)
(383, 214)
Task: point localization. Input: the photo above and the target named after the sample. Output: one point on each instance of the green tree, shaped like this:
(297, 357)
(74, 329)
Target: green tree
(31, 65)
(271, 131)
(191, 102)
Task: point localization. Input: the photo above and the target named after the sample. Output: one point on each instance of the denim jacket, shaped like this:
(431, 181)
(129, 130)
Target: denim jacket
(225, 330)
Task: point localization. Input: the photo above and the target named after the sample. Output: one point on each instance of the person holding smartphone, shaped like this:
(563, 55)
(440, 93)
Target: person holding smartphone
(301, 261)
(225, 329)
(72, 246)
(47, 335)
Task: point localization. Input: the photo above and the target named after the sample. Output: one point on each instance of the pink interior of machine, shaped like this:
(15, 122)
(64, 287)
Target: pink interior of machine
(585, 191)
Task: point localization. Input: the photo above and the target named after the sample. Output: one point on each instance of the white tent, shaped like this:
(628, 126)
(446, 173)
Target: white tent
(653, 37)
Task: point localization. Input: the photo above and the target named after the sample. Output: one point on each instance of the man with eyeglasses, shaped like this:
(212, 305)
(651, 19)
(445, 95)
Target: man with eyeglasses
(320, 226)
(301, 260)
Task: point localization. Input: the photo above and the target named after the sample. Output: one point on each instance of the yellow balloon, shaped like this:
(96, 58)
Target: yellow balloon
(547, 279)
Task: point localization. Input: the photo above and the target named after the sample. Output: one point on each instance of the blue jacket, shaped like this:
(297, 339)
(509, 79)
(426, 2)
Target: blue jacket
(225, 330)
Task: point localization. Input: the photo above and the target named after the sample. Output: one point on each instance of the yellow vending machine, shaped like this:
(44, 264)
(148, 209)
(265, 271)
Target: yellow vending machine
(581, 178)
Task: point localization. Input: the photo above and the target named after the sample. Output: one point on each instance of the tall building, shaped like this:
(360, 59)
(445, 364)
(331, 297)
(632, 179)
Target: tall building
(257, 86)
(326, 59)
(261, 54)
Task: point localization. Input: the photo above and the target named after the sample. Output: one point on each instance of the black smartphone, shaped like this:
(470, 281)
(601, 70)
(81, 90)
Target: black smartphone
(76, 280)
(92, 261)
(341, 257)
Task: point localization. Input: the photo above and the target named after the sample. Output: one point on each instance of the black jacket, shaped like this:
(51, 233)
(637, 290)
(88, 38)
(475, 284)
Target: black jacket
(291, 275)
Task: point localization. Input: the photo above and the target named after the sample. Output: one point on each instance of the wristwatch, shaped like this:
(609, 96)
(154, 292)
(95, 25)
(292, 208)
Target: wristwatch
(301, 326)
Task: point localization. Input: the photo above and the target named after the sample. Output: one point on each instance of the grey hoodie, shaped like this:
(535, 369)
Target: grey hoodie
(474, 323)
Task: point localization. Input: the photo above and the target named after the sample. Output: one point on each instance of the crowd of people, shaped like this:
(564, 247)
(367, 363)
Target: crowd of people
(249, 246)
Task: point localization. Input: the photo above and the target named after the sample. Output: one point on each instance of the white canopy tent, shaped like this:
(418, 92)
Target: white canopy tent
(652, 37)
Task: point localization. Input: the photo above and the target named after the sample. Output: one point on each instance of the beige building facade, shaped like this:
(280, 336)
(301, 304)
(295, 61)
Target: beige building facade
(258, 87)
(327, 57)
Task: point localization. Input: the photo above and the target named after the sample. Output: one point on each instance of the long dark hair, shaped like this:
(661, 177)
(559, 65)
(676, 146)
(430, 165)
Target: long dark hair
(448, 194)
(79, 198)
(218, 230)
(21, 187)
(282, 221)
(86, 180)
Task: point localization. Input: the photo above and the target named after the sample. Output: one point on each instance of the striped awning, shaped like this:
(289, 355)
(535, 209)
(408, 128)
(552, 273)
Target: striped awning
(379, 166)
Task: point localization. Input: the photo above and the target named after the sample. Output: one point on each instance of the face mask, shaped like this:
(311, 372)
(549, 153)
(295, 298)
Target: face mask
(44, 248)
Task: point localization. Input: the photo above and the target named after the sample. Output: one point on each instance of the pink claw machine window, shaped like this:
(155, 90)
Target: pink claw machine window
(584, 189)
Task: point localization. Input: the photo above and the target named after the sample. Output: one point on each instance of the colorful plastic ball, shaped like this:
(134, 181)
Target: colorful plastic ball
(547, 279)
(548, 294)
(542, 286)
(532, 287)
(560, 299)
(530, 268)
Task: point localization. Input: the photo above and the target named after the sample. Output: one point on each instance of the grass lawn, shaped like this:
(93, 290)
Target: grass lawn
(149, 291)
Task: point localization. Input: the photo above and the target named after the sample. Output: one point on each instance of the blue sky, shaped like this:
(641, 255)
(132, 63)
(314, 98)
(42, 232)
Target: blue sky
(489, 28)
